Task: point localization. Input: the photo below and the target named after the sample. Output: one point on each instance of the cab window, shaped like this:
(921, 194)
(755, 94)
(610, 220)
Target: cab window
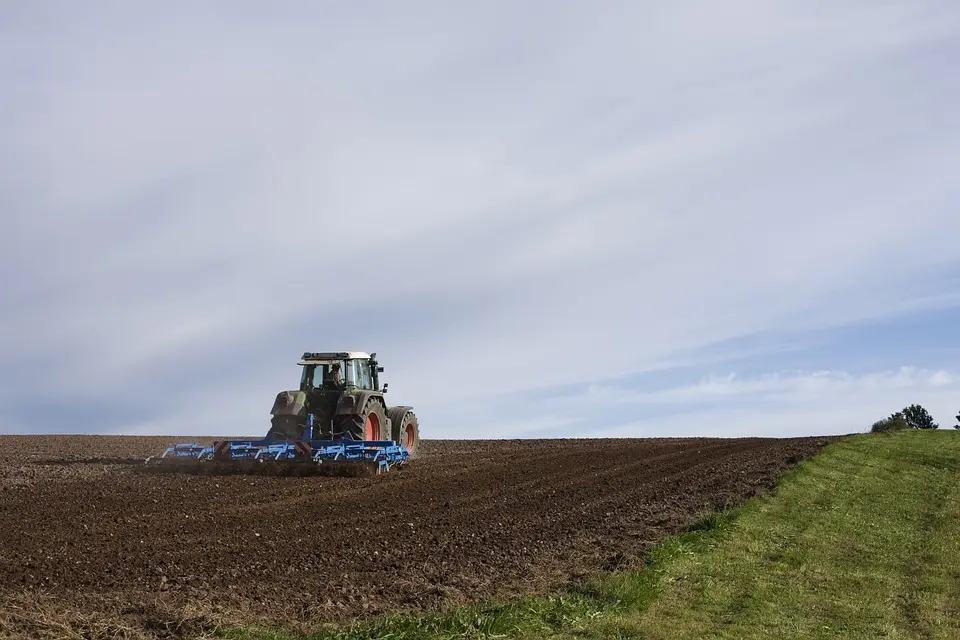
(364, 376)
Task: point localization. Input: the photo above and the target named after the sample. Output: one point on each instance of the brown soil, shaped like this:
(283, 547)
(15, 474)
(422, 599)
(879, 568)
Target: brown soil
(86, 536)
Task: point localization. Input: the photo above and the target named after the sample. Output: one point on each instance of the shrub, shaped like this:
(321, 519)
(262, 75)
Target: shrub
(896, 422)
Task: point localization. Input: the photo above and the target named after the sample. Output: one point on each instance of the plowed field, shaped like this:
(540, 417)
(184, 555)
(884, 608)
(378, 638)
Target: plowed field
(86, 540)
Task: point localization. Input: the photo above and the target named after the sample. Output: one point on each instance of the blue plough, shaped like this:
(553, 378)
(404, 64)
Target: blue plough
(284, 457)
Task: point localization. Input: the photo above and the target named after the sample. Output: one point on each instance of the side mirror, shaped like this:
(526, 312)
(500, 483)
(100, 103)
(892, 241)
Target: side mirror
(380, 369)
(385, 385)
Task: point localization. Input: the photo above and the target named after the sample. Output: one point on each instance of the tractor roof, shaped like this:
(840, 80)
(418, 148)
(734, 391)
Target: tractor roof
(311, 357)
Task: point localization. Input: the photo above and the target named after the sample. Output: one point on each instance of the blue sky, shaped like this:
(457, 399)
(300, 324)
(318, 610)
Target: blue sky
(550, 219)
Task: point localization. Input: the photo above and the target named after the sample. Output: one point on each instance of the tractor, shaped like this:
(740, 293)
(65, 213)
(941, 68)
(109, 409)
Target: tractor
(354, 409)
(337, 421)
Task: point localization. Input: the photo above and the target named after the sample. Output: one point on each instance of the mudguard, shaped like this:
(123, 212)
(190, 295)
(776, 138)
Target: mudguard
(289, 403)
(353, 400)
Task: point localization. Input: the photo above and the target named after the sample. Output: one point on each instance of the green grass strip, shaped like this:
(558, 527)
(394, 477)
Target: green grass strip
(862, 541)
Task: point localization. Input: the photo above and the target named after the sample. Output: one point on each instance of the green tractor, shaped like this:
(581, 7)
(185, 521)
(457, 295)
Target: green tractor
(342, 391)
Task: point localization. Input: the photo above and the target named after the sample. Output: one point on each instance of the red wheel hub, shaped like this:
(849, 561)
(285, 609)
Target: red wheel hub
(371, 430)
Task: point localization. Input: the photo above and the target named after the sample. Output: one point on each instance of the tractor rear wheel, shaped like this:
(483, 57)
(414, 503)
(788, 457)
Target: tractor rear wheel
(369, 424)
(405, 428)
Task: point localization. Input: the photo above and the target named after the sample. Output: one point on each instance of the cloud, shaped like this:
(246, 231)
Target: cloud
(789, 403)
(498, 199)
(799, 404)
(787, 387)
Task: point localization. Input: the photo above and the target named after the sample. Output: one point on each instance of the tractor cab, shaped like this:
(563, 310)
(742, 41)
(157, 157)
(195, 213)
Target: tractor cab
(358, 369)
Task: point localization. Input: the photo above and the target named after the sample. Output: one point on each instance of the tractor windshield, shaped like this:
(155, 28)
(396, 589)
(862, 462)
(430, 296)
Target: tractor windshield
(352, 371)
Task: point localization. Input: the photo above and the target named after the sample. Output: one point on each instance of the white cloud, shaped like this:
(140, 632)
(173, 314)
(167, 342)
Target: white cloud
(494, 198)
(801, 387)
(776, 404)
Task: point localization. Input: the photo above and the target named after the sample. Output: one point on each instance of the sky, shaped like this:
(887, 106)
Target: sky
(549, 219)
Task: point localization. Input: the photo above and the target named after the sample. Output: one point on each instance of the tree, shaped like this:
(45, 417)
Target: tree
(918, 417)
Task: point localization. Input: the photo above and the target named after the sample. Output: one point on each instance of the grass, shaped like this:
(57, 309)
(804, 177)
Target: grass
(862, 541)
